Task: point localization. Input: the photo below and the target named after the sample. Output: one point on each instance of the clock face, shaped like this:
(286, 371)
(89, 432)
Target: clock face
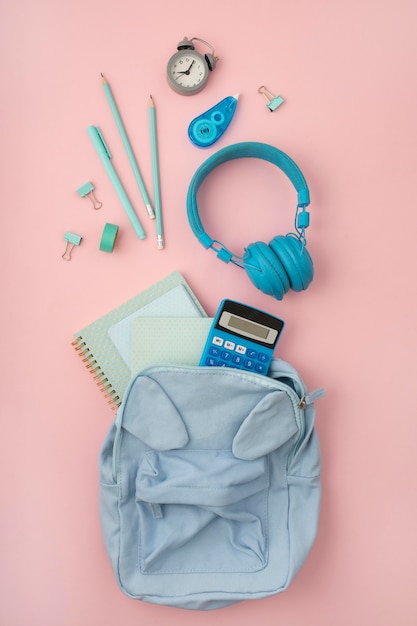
(187, 72)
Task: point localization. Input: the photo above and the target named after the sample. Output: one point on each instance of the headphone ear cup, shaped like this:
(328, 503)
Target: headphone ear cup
(265, 270)
(295, 259)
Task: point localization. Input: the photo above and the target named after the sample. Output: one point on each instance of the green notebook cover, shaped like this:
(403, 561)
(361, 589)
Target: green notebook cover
(100, 354)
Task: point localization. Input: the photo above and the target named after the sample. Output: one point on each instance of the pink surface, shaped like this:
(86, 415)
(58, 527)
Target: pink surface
(347, 73)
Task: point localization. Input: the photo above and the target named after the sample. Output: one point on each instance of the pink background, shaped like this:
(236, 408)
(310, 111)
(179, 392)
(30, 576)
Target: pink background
(347, 73)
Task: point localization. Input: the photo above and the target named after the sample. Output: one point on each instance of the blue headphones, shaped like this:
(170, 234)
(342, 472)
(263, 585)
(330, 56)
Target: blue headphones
(282, 264)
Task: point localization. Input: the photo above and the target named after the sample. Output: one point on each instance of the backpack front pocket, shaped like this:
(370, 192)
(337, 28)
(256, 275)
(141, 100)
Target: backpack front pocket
(191, 500)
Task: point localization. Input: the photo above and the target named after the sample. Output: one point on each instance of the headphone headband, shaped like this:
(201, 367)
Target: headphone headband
(284, 262)
(236, 151)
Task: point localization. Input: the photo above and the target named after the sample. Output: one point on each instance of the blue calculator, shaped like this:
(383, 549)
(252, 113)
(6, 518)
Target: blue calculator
(241, 337)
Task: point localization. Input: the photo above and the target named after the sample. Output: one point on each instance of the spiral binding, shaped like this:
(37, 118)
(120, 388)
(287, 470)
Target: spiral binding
(98, 374)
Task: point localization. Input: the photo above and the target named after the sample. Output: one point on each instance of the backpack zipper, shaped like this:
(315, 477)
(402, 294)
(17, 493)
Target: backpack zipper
(298, 406)
(311, 397)
(300, 403)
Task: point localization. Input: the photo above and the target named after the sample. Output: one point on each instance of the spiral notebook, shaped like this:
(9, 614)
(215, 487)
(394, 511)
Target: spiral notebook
(105, 345)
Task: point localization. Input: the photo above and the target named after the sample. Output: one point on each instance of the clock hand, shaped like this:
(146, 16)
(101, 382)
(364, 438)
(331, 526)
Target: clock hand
(187, 71)
(192, 63)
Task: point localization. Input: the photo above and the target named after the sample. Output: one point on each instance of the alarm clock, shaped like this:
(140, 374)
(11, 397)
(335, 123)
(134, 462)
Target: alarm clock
(188, 70)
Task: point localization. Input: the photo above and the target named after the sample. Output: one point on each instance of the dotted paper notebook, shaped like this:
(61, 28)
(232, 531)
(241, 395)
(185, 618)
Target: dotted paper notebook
(168, 341)
(98, 351)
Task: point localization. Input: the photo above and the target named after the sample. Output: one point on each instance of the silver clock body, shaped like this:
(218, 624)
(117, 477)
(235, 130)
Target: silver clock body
(187, 72)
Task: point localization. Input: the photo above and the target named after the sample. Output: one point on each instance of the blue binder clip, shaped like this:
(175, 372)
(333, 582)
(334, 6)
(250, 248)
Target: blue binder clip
(273, 102)
(71, 239)
(87, 190)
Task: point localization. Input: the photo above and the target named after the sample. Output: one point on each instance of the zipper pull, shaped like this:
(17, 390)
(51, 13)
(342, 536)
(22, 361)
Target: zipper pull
(311, 397)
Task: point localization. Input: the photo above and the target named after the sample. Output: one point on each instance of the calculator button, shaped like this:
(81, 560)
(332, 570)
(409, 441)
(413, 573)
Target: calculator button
(237, 359)
(251, 354)
(214, 351)
(259, 367)
(262, 357)
(249, 364)
(218, 341)
(210, 361)
(241, 349)
(226, 355)
(229, 345)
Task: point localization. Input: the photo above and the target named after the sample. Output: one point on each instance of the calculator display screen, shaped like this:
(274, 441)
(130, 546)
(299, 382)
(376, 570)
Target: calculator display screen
(245, 327)
(249, 327)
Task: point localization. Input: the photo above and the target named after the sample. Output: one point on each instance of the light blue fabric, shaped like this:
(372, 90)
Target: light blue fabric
(210, 485)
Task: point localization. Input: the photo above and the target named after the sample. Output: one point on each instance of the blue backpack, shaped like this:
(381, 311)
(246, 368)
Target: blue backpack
(210, 484)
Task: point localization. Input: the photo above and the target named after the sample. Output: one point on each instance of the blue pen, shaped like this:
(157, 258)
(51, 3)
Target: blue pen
(105, 156)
